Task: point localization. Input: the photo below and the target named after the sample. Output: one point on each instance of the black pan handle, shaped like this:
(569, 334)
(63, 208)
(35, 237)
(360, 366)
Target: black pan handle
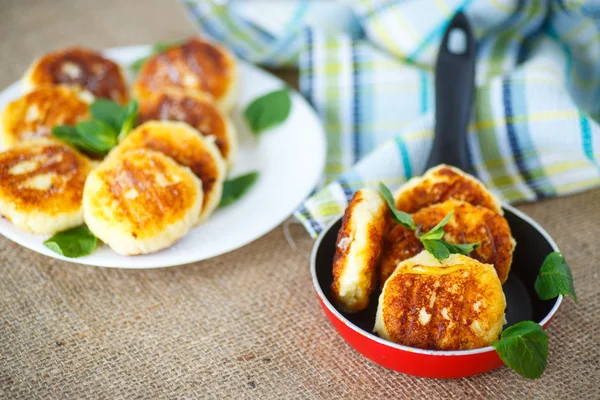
(454, 83)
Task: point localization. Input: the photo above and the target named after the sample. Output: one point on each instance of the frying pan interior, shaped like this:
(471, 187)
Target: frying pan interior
(521, 298)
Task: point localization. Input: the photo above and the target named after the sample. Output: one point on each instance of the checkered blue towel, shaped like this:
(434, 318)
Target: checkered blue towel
(366, 67)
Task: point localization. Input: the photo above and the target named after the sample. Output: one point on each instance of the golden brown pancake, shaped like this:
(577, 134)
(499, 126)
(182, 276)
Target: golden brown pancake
(454, 304)
(358, 250)
(33, 115)
(198, 110)
(441, 183)
(195, 66)
(187, 147)
(469, 224)
(141, 202)
(80, 68)
(41, 186)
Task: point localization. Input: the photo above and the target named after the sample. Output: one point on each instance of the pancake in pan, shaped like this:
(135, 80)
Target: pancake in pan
(33, 115)
(141, 202)
(41, 186)
(194, 66)
(469, 224)
(441, 183)
(80, 68)
(198, 110)
(187, 147)
(454, 304)
(358, 250)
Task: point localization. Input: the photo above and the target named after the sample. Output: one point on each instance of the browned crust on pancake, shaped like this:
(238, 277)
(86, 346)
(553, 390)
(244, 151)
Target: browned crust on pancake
(198, 110)
(208, 68)
(187, 150)
(443, 183)
(374, 244)
(156, 206)
(98, 75)
(449, 303)
(69, 170)
(55, 105)
(469, 224)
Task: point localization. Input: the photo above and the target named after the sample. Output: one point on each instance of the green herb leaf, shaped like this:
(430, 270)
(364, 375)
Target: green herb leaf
(157, 48)
(92, 136)
(436, 248)
(268, 111)
(463, 249)
(555, 278)
(437, 232)
(235, 188)
(75, 242)
(524, 348)
(107, 111)
(128, 119)
(111, 122)
(400, 217)
(99, 137)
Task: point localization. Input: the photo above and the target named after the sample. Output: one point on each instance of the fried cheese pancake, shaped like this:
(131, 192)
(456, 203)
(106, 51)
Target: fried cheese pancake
(441, 183)
(453, 304)
(187, 147)
(33, 115)
(358, 250)
(80, 68)
(41, 186)
(141, 202)
(194, 66)
(469, 224)
(198, 110)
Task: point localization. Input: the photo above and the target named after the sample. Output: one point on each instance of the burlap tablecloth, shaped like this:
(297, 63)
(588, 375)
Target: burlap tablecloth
(243, 325)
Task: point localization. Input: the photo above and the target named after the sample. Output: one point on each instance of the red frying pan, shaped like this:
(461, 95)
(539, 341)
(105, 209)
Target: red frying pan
(454, 88)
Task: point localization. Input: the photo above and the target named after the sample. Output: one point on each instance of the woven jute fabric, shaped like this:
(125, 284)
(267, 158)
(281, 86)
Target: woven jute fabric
(243, 325)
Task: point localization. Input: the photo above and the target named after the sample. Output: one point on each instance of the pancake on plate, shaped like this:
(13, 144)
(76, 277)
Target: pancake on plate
(194, 66)
(187, 147)
(441, 183)
(141, 201)
(80, 68)
(196, 109)
(358, 250)
(454, 304)
(33, 115)
(469, 224)
(41, 186)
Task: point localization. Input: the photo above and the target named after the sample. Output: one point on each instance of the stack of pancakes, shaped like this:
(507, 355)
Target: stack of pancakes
(164, 178)
(452, 304)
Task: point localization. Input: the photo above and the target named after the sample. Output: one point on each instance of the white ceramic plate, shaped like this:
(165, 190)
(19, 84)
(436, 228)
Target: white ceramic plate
(290, 159)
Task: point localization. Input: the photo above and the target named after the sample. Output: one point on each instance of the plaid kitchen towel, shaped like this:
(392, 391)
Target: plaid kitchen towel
(366, 67)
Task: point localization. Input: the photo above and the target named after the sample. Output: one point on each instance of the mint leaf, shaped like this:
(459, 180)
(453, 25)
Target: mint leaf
(400, 217)
(107, 111)
(524, 348)
(75, 242)
(159, 47)
(111, 122)
(128, 119)
(436, 248)
(463, 249)
(97, 136)
(555, 278)
(91, 136)
(268, 111)
(68, 134)
(437, 232)
(235, 188)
